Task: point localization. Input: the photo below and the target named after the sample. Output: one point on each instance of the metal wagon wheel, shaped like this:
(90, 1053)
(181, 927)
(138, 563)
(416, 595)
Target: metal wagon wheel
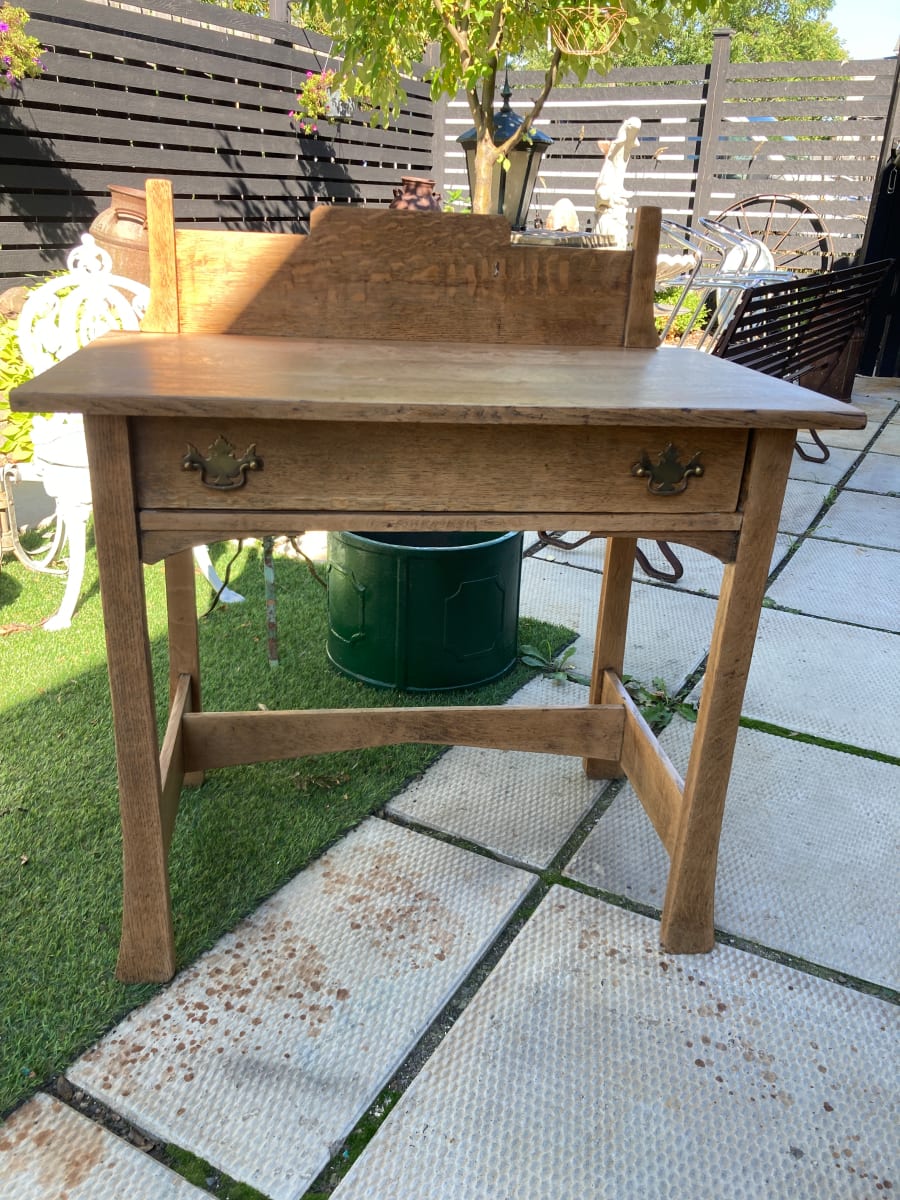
(794, 233)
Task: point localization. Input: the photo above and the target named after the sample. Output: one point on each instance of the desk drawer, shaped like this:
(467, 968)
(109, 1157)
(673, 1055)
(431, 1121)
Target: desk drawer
(403, 467)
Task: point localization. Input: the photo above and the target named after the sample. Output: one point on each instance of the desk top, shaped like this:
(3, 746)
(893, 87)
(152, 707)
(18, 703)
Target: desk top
(231, 376)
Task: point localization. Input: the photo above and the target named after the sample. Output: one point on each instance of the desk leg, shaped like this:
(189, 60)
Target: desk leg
(147, 949)
(687, 918)
(612, 623)
(184, 642)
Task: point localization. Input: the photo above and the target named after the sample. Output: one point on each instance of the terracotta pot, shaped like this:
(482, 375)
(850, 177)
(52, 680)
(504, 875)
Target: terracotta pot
(121, 230)
(416, 195)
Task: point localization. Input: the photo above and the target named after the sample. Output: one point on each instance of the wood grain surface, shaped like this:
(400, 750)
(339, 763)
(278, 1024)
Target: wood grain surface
(222, 376)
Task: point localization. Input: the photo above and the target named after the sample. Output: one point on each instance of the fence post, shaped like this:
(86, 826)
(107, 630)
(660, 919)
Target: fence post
(710, 124)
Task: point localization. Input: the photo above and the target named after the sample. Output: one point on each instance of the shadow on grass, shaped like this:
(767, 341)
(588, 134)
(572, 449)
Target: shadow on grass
(238, 838)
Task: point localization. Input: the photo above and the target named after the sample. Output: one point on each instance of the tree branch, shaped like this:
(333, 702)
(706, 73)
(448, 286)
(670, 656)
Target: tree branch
(495, 36)
(461, 39)
(550, 78)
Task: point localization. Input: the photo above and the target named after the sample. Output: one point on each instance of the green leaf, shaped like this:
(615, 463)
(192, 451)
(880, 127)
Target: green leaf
(530, 661)
(577, 677)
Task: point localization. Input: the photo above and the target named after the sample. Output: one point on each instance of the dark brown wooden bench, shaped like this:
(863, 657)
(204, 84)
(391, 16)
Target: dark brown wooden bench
(808, 331)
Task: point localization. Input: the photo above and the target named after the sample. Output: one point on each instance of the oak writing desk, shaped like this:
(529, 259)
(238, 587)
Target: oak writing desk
(229, 425)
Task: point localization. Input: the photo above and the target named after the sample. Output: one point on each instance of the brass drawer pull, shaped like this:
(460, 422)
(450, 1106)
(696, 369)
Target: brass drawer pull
(667, 476)
(221, 469)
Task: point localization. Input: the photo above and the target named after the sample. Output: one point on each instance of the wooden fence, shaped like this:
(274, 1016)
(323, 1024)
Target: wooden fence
(198, 94)
(711, 136)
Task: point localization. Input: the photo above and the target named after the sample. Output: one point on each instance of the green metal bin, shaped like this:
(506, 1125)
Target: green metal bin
(423, 611)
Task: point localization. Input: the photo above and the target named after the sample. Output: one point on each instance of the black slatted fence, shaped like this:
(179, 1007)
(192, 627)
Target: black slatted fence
(199, 94)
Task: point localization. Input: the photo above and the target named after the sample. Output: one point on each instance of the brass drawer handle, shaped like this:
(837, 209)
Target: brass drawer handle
(221, 469)
(667, 476)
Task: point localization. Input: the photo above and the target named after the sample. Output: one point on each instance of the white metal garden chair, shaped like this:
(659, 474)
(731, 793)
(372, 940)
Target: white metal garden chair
(722, 264)
(58, 318)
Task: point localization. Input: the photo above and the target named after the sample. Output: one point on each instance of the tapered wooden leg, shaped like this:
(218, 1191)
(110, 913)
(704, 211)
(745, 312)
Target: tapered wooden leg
(184, 641)
(147, 949)
(612, 623)
(687, 919)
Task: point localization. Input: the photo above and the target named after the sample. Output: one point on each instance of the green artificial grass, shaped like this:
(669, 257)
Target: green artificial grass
(237, 839)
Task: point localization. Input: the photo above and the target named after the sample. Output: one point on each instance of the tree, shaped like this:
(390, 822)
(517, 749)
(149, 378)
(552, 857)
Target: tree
(381, 41)
(764, 31)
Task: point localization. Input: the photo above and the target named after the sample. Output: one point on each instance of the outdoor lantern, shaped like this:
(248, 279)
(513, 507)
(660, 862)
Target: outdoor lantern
(511, 189)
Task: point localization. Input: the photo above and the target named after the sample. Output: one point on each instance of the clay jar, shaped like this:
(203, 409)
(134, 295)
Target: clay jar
(416, 195)
(121, 230)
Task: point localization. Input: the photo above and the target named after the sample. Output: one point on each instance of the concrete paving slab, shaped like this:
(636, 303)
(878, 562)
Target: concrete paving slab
(262, 1056)
(888, 441)
(845, 439)
(522, 807)
(877, 473)
(830, 472)
(863, 518)
(802, 501)
(834, 681)
(592, 1065)
(552, 593)
(702, 572)
(877, 405)
(844, 582)
(875, 385)
(589, 556)
(809, 860)
(668, 633)
(50, 1152)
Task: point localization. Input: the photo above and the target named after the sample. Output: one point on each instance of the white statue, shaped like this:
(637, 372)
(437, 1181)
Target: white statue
(610, 197)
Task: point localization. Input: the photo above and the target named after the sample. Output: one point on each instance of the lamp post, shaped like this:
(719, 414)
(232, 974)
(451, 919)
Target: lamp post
(510, 189)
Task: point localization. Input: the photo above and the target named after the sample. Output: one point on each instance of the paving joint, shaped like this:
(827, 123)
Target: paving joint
(808, 966)
(774, 606)
(812, 739)
(331, 1175)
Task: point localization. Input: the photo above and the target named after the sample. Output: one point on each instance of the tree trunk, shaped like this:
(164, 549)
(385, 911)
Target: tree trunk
(485, 157)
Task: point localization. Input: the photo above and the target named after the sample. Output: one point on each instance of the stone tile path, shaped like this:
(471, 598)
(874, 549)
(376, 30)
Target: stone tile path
(591, 1064)
(262, 1056)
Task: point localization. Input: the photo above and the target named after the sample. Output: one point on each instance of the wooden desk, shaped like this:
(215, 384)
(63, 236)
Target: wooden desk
(423, 435)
